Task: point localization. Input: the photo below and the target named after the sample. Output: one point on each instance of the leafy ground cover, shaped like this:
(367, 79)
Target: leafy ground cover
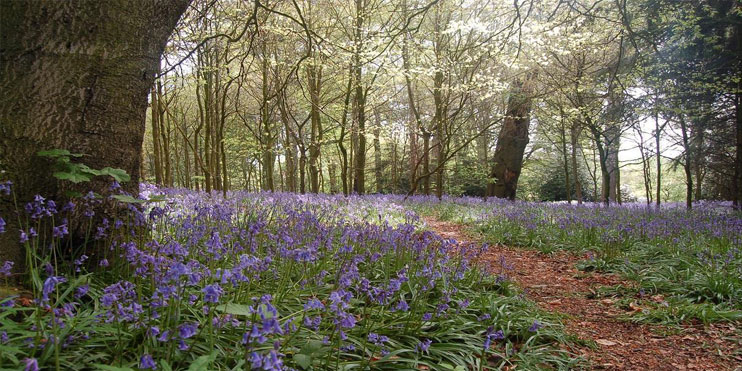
(262, 281)
(553, 281)
(684, 265)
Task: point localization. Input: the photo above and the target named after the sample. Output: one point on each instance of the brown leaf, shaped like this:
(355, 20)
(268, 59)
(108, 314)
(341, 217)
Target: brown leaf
(605, 342)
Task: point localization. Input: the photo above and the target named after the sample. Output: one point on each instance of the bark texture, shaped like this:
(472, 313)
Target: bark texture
(511, 144)
(75, 75)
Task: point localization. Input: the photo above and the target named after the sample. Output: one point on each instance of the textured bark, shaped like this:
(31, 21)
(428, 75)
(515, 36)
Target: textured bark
(688, 158)
(737, 183)
(574, 136)
(75, 75)
(511, 143)
(378, 167)
(612, 135)
(359, 178)
(565, 161)
(155, 114)
(267, 139)
(314, 78)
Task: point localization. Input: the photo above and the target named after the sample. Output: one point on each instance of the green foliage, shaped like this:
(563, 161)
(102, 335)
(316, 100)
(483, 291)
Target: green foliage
(77, 172)
(694, 266)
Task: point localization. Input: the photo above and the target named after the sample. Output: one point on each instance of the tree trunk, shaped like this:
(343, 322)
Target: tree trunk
(314, 75)
(155, 115)
(426, 163)
(574, 136)
(657, 130)
(511, 143)
(565, 160)
(75, 75)
(687, 164)
(359, 179)
(378, 170)
(737, 182)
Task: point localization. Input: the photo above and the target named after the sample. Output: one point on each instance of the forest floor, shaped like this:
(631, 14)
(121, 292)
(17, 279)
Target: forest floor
(552, 281)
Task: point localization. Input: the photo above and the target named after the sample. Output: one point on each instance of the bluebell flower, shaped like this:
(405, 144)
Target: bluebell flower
(212, 293)
(147, 363)
(6, 269)
(490, 335)
(5, 187)
(31, 364)
(535, 326)
(402, 306)
(60, 231)
(49, 285)
(187, 330)
(423, 346)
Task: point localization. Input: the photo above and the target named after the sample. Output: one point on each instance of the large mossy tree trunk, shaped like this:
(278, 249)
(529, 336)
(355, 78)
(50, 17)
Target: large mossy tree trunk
(75, 75)
(511, 144)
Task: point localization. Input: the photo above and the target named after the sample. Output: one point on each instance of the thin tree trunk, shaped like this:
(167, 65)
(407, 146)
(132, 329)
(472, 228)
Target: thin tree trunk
(687, 164)
(378, 171)
(574, 136)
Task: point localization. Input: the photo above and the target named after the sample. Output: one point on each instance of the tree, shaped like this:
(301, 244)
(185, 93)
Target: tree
(511, 142)
(82, 87)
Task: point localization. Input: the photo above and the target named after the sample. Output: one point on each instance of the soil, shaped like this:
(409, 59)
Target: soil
(553, 281)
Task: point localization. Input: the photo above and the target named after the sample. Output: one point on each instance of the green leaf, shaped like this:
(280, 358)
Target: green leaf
(128, 199)
(157, 198)
(235, 309)
(165, 366)
(239, 365)
(314, 348)
(112, 368)
(73, 194)
(73, 177)
(303, 360)
(202, 363)
(119, 174)
(85, 169)
(53, 153)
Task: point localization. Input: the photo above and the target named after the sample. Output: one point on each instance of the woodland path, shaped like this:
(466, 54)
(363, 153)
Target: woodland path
(556, 285)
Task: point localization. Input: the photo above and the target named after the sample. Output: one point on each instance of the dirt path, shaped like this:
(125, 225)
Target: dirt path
(556, 285)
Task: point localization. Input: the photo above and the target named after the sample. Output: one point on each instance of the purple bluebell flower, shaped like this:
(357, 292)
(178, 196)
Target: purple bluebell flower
(153, 331)
(6, 268)
(212, 293)
(24, 237)
(490, 335)
(2, 225)
(147, 363)
(402, 306)
(60, 231)
(5, 187)
(535, 326)
(49, 285)
(187, 330)
(423, 346)
(30, 364)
